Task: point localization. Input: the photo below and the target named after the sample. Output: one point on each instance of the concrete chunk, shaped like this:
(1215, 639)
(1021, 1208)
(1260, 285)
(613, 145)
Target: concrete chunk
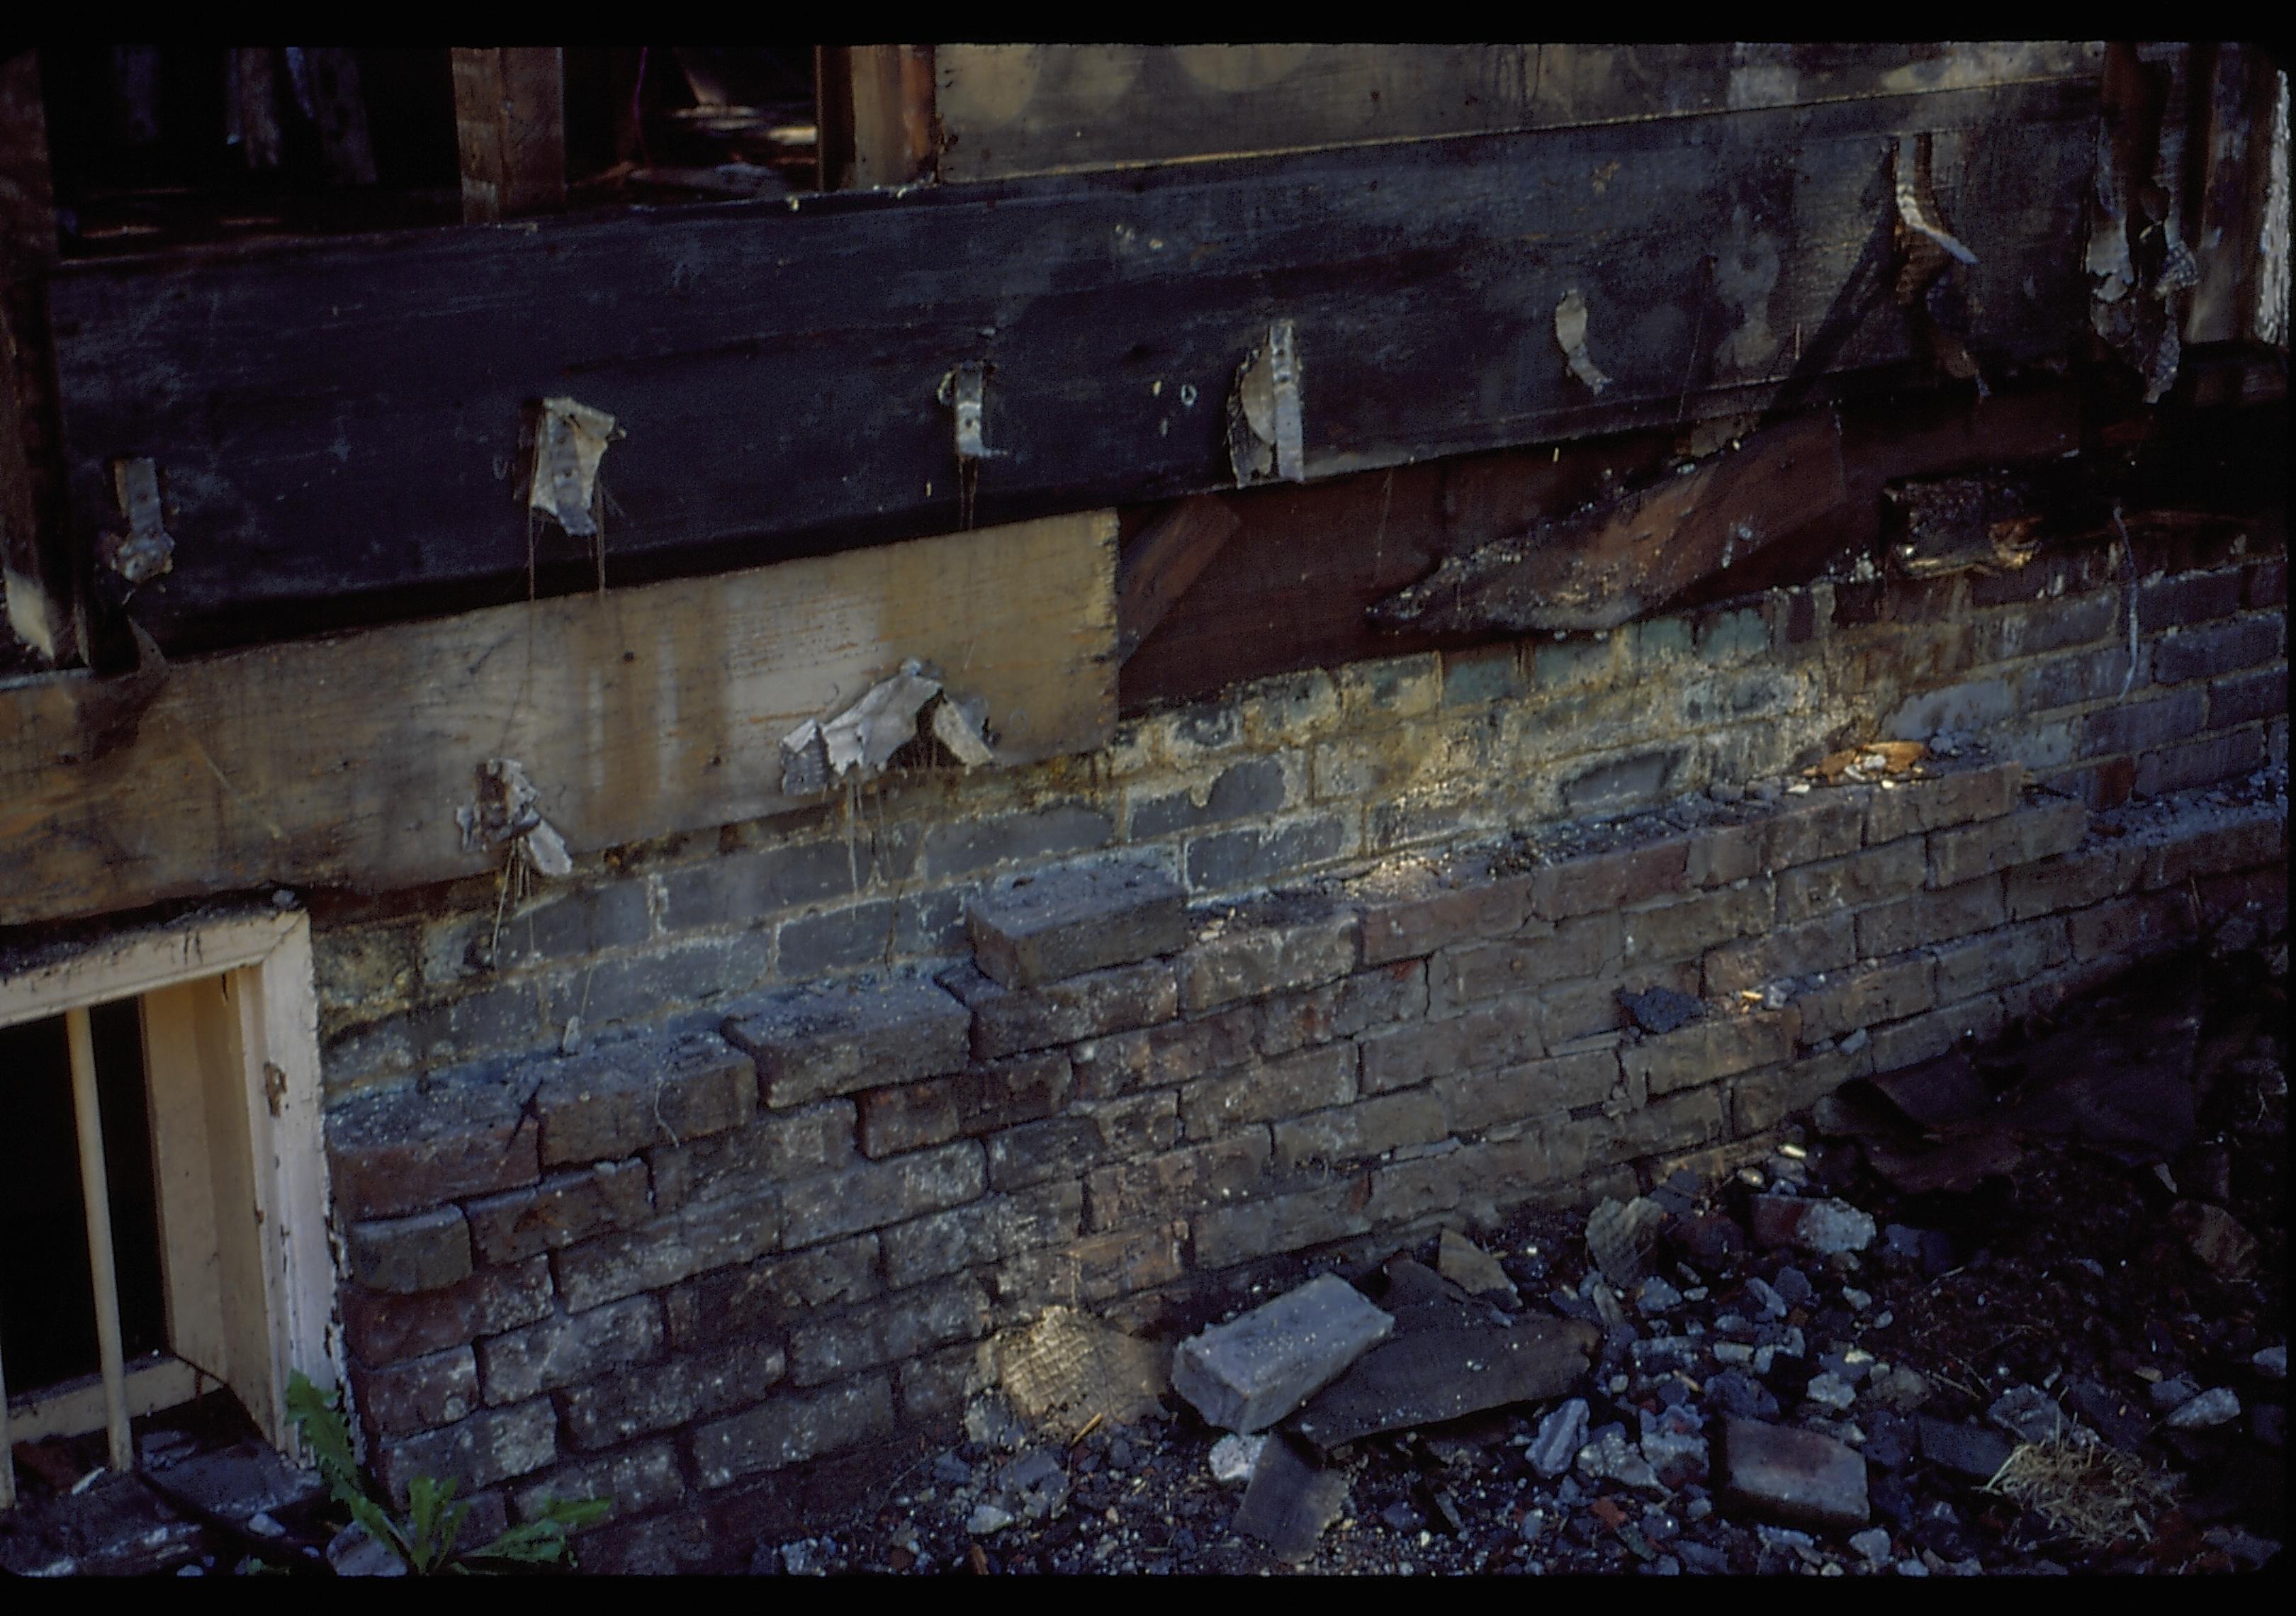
(875, 1031)
(1794, 1476)
(1064, 922)
(1290, 1502)
(1248, 1374)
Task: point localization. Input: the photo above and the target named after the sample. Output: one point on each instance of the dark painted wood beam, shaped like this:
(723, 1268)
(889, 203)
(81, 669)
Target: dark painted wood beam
(338, 427)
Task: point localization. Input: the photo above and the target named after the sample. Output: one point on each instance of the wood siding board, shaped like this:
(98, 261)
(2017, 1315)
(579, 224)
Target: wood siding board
(341, 418)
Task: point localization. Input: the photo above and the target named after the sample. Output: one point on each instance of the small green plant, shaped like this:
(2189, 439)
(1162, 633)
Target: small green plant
(425, 1539)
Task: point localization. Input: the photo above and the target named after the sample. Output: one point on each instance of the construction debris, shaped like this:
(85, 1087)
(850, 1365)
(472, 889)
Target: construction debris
(1473, 1269)
(1620, 1237)
(505, 812)
(1291, 1501)
(1570, 337)
(857, 744)
(569, 440)
(1067, 1372)
(1248, 1374)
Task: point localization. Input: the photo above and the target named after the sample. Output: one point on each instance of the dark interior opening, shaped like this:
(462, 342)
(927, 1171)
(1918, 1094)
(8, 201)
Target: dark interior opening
(47, 1297)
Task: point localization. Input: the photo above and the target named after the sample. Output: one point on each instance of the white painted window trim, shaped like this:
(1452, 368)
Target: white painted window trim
(265, 1016)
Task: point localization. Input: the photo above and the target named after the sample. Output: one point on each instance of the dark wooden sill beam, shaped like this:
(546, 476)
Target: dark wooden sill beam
(339, 427)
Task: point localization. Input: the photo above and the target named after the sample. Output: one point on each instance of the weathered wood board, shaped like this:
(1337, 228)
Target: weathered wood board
(1009, 110)
(341, 762)
(337, 420)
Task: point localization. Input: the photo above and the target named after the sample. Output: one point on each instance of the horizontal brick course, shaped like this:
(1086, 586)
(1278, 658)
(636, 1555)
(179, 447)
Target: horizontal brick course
(1930, 917)
(1949, 800)
(384, 1329)
(418, 1394)
(617, 1100)
(771, 1293)
(1718, 1046)
(1309, 1080)
(559, 1352)
(1607, 881)
(1530, 1090)
(788, 1431)
(1862, 878)
(1824, 943)
(1256, 953)
(898, 1327)
(1065, 921)
(693, 1239)
(2038, 830)
(410, 1149)
(424, 1252)
(2207, 654)
(871, 1195)
(1369, 1127)
(564, 1208)
(608, 1411)
(1870, 994)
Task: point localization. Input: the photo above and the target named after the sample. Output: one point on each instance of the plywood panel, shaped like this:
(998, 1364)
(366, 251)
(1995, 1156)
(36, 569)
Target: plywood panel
(341, 762)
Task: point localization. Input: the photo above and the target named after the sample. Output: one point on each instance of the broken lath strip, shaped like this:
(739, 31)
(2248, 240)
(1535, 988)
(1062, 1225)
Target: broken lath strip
(857, 743)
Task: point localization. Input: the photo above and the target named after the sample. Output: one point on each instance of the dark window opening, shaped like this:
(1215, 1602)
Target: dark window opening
(47, 1295)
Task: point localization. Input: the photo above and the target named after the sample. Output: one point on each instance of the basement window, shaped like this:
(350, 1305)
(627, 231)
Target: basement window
(163, 1185)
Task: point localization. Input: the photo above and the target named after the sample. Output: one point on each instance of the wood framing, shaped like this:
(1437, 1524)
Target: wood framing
(874, 116)
(1008, 109)
(230, 1033)
(509, 131)
(337, 420)
(636, 713)
(34, 566)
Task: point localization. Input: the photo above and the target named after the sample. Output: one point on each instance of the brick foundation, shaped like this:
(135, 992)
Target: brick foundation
(854, 1092)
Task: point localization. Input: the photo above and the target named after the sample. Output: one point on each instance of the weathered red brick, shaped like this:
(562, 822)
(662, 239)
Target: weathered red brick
(1609, 880)
(385, 1329)
(614, 1100)
(1930, 917)
(2039, 831)
(1949, 800)
(415, 1148)
(1718, 1046)
(418, 1394)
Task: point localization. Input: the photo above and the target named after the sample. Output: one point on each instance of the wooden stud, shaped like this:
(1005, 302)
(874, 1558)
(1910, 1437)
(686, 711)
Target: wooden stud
(510, 126)
(96, 1194)
(876, 115)
(1162, 562)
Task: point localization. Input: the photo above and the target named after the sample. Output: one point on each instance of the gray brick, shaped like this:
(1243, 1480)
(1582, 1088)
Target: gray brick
(607, 1412)
(476, 1452)
(1925, 1037)
(1478, 673)
(1823, 824)
(770, 1295)
(1250, 1372)
(1222, 860)
(744, 888)
(1274, 945)
(1863, 878)
(1369, 1127)
(1063, 923)
(1688, 927)
(1253, 787)
(964, 846)
(1088, 1006)
(1137, 1125)
(420, 1394)
(1930, 917)
(1720, 1047)
(1999, 958)
(559, 1352)
(2248, 697)
(1309, 1080)
(777, 1147)
(645, 1091)
(988, 1230)
(898, 1327)
(790, 1430)
(2151, 924)
(385, 1329)
(1061, 1147)
(838, 940)
(1421, 918)
(424, 1252)
(810, 1042)
(1543, 953)
(2089, 675)
(1870, 996)
(1949, 800)
(590, 920)
(1178, 1182)
(562, 1209)
(1596, 884)
(2207, 654)
(634, 1482)
(1376, 997)
(1398, 1057)
(1281, 1223)
(2010, 633)
(2040, 830)
(637, 988)
(2138, 724)
(1528, 1090)
(1397, 687)
(872, 1195)
(2238, 840)
(2087, 875)
(693, 1239)
(411, 1149)
(2201, 762)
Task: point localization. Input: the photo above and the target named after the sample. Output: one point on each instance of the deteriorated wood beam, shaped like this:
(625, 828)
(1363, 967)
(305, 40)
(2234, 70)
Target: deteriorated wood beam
(34, 570)
(1162, 562)
(342, 762)
(1611, 565)
(510, 128)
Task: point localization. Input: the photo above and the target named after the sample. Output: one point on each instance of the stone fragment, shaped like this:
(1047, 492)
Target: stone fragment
(1291, 1500)
(1661, 1009)
(2027, 1413)
(1821, 1227)
(1674, 1441)
(1711, 1242)
(1610, 1457)
(986, 1521)
(1035, 1483)
(1469, 1266)
(2216, 1238)
(1620, 1237)
(1561, 1435)
(1425, 1376)
(2218, 1405)
(1793, 1475)
(1971, 1450)
(1830, 1392)
(1656, 1296)
(1248, 1374)
(1234, 1456)
(1873, 1543)
(2272, 1362)
(1063, 923)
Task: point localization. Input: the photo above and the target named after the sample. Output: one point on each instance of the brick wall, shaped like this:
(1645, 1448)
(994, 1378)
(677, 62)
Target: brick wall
(1332, 960)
